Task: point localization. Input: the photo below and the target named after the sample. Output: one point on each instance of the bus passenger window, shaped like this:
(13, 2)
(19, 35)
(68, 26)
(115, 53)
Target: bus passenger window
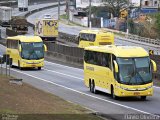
(86, 56)
(99, 59)
(106, 60)
(87, 37)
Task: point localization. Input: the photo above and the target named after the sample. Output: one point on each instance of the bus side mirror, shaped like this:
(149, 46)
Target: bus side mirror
(45, 48)
(20, 48)
(154, 66)
(115, 66)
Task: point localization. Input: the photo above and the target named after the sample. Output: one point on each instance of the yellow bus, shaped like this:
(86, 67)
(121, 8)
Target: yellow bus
(95, 37)
(119, 70)
(26, 51)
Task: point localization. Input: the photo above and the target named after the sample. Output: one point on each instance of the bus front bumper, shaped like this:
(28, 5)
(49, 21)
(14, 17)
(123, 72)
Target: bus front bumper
(128, 93)
(32, 64)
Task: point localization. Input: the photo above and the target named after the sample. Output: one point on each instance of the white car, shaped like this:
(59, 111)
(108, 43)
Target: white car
(47, 16)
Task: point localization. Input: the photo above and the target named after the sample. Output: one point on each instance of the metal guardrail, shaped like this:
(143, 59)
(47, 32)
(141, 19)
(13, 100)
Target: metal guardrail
(136, 37)
(143, 39)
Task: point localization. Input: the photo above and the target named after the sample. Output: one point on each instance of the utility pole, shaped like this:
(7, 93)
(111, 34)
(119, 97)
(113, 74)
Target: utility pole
(58, 9)
(67, 9)
(127, 18)
(140, 4)
(89, 19)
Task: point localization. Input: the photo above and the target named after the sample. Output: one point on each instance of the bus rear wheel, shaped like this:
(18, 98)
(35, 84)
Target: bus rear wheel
(39, 68)
(143, 97)
(19, 66)
(112, 93)
(92, 87)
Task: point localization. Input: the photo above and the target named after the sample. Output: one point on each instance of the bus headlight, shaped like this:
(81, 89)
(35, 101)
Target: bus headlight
(33, 62)
(122, 87)
(149, 87)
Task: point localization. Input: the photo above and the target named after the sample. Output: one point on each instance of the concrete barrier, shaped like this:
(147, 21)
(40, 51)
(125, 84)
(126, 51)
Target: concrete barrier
(68, 37)
(64, 58)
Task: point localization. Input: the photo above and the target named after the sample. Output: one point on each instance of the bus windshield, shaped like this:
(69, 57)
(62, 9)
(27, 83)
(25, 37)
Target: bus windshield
(32, 50)
(134, 71)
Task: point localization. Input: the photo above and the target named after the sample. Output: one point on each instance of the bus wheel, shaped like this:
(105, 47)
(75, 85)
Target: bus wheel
(19, 66)
(90, 86)
(112, 93)
(143, 97)
(39, 68)
(93, 90)
(11, 66)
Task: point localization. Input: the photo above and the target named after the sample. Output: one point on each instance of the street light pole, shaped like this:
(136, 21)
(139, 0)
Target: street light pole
(89, 14)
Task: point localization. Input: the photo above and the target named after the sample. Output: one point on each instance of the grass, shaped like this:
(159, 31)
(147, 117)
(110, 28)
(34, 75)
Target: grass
(64, 16)
(30, 103)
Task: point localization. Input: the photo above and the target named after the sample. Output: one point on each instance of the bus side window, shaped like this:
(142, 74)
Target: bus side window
(92, 37)
(109, 61)
(83, 36)
(7, 43)
(16, 44)
(87, 37)
(86, 56)
(106, 60)
(99, 59)
(93, 58)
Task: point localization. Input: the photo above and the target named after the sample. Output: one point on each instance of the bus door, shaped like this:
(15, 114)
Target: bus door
(106, 63)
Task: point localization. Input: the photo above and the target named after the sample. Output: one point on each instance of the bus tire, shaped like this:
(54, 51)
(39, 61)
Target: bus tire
(19, 66)
(39, 68)
(143, 97)
(11, 66)
(112, 93)
(89, 85)
(93, 90)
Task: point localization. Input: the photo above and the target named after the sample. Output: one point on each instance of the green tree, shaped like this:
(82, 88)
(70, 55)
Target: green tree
(100, 10)
(158, 23)
(115, 6)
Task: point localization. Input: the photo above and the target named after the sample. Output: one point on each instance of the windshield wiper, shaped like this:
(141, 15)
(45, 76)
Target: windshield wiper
(141, 77)
(30, 53)
(33, 52)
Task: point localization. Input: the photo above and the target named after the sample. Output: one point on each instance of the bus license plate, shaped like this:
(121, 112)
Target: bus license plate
(136, 93)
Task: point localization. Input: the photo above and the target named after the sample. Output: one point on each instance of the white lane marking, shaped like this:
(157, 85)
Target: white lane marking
(82, 93)
(63, 74)
(63, 65)
(78, 77)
